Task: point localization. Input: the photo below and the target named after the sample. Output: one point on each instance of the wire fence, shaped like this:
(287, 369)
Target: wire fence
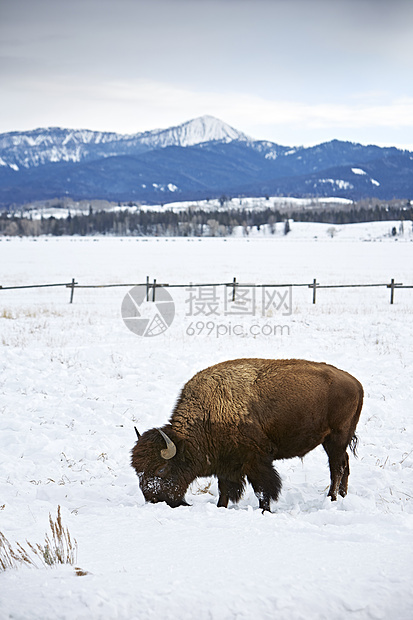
(152, 286)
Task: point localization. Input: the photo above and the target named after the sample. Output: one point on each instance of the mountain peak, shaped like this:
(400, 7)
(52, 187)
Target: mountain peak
(196, 131)
(208, 128)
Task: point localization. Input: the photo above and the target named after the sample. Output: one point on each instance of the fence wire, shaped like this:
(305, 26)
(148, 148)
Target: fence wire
(152, 286)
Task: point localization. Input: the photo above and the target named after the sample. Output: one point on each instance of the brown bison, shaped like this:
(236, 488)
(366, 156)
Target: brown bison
(234, 419)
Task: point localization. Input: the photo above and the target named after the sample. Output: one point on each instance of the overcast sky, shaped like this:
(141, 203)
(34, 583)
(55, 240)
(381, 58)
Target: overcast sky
(291, 71)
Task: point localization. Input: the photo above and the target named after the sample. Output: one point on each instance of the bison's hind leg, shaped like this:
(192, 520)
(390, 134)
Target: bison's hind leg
(266, 483)
(342, 489)
(230, 490)
(339, 466)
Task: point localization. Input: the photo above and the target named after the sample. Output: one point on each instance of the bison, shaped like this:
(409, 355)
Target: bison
(234, 419)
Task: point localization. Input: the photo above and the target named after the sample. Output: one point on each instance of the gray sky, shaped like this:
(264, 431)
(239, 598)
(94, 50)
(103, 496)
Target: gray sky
(291, 71)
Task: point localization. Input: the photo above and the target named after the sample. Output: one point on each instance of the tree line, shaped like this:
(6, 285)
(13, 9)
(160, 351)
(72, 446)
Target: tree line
(192, 222)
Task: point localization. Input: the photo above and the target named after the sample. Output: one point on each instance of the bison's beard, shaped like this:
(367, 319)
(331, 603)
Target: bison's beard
(156, 489)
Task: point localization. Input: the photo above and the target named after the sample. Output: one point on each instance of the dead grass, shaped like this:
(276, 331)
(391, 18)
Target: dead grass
(205, 489)
(6, 314)
(58, 548)
(30, 313)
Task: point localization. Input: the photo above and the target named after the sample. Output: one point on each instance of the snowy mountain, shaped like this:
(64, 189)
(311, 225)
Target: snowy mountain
(202, 158)
(52, 145)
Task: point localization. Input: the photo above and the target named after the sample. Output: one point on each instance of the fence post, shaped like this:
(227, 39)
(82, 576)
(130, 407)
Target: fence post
(154, 289)
(72, 287)
(234, 280)
(147, 288)
(314, 287)
(392, 290)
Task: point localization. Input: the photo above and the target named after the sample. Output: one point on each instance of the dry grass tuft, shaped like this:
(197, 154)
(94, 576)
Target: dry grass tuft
(30, 313)
(58, 548)
(206, 488)
(6, 314)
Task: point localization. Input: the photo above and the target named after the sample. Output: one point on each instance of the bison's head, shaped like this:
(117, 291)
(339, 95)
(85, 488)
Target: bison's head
(161, 467)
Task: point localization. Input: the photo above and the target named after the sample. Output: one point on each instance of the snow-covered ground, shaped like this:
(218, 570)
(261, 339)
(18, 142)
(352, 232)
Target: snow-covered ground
(74, 381)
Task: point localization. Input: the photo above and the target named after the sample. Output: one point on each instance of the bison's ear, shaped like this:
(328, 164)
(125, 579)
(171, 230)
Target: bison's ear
(182, 450)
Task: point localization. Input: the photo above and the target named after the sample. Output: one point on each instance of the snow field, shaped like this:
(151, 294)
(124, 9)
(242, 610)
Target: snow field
(74, 381)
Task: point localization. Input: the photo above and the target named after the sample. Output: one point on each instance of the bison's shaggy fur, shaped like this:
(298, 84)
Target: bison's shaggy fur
(234, 419)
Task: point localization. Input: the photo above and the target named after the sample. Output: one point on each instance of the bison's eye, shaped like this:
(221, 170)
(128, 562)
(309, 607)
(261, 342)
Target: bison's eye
(161, 471)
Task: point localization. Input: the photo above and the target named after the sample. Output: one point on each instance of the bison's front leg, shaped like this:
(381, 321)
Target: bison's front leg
(229, 490)
(266, 483)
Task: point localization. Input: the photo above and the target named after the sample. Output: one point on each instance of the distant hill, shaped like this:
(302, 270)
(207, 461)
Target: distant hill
(203, 158)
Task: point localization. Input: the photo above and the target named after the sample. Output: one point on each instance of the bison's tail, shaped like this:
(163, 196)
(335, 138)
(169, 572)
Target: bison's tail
(353, 444)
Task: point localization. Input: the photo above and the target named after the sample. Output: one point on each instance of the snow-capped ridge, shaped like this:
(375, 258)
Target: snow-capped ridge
(55, 144)
(203, 157)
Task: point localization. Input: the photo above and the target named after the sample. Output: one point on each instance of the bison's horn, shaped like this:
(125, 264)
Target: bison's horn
(138, 435)
(170, 450)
